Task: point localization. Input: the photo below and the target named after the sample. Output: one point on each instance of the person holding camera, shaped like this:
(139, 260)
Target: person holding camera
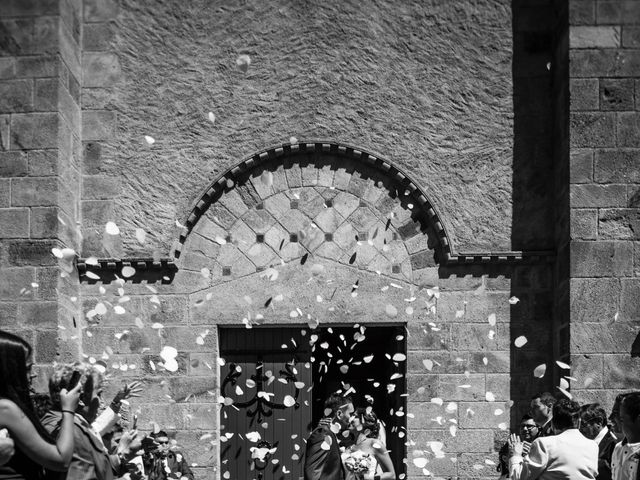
(162, 461)
(91, 460)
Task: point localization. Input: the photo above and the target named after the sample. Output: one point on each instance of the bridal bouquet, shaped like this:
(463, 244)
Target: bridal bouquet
(359, 463)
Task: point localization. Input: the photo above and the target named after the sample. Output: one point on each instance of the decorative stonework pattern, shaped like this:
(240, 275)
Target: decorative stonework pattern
(327, 206)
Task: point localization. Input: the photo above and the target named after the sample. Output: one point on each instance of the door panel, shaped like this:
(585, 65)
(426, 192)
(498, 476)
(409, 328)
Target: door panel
(274, 372)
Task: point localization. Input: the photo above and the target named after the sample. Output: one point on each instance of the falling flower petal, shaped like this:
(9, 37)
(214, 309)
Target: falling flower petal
(128, 271)
(253, 436)
(565, 393)
(540, 370)
(391, 310)
(141, 236)
(420, 462)
(293, 140)
(399, 357)
(520, 341)
(212, 117)
(563, 365)
(490, 397)
(492, 319)
(289, 401)
(514, 300)
(428, 364)
(243, 62)
(119, 310)
(112, 229)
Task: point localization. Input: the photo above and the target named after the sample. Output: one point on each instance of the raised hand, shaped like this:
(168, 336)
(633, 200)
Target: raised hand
(69, 399)
(132, 389)
(515, 445)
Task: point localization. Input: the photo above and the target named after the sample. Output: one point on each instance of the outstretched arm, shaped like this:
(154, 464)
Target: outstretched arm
(53, 456)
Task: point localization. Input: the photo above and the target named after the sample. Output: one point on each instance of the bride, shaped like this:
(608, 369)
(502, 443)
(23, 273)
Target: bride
(367, 458)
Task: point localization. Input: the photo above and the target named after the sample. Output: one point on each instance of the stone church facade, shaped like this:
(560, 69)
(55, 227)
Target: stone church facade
(431, 183)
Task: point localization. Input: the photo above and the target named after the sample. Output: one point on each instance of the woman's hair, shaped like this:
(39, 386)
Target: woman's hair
(369, 421)
(15, 386)
(62, 375)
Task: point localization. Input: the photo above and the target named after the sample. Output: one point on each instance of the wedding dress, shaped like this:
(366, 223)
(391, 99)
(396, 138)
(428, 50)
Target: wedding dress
(355, 453)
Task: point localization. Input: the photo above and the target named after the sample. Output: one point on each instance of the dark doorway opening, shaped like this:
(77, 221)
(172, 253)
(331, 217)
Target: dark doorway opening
(370, 363)
(296, 363)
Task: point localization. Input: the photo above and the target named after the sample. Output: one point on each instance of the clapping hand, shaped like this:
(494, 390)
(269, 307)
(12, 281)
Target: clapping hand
(132, 389)
(515, 445)
(130, 443)
(7, 447)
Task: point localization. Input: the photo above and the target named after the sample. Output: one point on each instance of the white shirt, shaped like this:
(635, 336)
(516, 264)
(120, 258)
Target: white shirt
(601, 435)
(624, 461)
(569, 455)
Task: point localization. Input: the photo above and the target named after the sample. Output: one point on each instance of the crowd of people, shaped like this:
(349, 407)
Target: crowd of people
(562, 439)
(69, 433)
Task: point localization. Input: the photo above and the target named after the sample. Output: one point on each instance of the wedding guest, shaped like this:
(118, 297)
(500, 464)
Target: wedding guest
(90, 457)
(162, 462)
(35, 448)
(541, 409)
(528, 431)
(626, 454)
(566, 455)
(593, 425)
(614, 417)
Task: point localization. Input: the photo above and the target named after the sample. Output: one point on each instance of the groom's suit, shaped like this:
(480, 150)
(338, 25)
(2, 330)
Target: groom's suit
(321, 464)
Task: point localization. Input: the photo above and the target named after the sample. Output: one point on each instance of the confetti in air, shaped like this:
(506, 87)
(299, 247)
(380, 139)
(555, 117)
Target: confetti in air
(243, 62)
(149, 140)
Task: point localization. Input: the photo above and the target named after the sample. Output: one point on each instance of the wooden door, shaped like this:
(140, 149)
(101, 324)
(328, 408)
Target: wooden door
(268, 378)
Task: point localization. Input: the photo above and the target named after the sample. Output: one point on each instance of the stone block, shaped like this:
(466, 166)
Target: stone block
(592, 338)
(16, 96)
(581, 166)
(34, 192)
(92, 158)
(13, 164)
(43, 163)
(100, 10)
(619, 224)
(25, 253)
(631, 37)
(619, 371)
(7, 67)
(5, 192)
(629, 129)
(34, 130)
(594, 37)
(597, 196)
(616, 94)
(14, 222)
(594, 299)
(636, 259)
(584, 94)
(592, 130)
(478, 337)
(39, 314)
(584, 224)
(37, 66)
(629, 304)
(617, 166)
(601, 259)
(47, 280)
(603, 63)
(457, 387)
(587, 366)
(481, 414)
(100, 69)
(422, 337)
(98, 125)
(617, 12)
(46, 346)
(480, 441)
(99, 187)
(44, 222)
(46, 94)
(425, 414)
(582, 12)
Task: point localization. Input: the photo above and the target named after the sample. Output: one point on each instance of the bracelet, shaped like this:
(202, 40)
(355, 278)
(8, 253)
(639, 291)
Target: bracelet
(69, 411)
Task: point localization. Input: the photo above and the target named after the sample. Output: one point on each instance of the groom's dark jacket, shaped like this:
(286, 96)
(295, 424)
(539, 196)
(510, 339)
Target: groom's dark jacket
(320, 464)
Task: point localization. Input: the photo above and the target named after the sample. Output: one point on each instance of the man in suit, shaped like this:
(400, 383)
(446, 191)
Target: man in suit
(568, 454)
(593, 425)
(322, 459)
(541, 409)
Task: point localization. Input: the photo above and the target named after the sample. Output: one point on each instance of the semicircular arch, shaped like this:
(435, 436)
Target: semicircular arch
(313, 198)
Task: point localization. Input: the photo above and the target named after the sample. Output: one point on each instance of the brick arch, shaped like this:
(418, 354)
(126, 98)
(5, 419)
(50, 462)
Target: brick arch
(323, 199)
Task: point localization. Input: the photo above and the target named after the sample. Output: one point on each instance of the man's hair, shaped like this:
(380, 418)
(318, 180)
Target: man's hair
(566, 414)
(631, 404)
(335, 401)
(526, 417)
(546, 398)
(615, 410)
(593, 412)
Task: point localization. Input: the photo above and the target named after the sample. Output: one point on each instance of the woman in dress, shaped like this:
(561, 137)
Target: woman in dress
(34, 448)
(364, 428)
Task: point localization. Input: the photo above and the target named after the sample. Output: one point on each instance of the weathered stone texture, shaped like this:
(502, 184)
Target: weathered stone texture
(170, 104)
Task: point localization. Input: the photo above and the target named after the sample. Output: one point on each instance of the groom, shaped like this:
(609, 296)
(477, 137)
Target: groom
(322, 460)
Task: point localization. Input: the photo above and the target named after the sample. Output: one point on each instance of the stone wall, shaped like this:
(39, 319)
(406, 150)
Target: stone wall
(40, 81)
(605, 161)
